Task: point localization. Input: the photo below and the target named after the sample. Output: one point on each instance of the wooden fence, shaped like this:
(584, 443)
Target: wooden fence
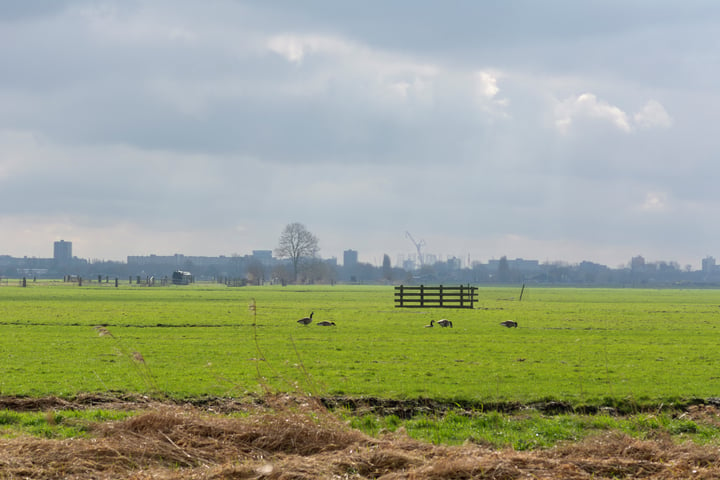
(441, 296)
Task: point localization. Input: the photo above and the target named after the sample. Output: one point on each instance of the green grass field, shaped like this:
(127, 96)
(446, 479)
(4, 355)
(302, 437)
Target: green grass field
(583, 346)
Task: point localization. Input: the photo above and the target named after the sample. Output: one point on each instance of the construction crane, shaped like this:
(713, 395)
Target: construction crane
(418, 246)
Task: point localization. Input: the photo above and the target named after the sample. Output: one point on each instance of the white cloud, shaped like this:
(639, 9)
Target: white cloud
(587, 105)
(414, 88)
(289, 47)
(362, 76)
(486, 92)
(653, 114)
(486, 85)
(654, 202)
(294, 48)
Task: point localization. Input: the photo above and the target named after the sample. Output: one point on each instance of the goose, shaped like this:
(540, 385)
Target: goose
(432, 323)
(509, 323)
(306, 320)
(444, 323)
(326, 324)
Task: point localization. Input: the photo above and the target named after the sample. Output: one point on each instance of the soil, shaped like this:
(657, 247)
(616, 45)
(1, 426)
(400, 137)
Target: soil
(283, 437)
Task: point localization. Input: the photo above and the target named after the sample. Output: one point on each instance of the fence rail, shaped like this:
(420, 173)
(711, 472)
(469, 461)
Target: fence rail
(440, 296)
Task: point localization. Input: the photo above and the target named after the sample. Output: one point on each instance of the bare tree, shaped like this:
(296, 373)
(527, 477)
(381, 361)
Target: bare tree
(256, 272)
(296, 243)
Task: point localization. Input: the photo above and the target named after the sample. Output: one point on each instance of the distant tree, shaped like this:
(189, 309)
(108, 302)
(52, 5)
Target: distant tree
(296, 243)
(317, 271)
(256, 272)
(280, 273)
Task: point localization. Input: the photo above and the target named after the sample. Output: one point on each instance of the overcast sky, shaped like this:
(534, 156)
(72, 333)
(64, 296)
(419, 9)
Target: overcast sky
(557, 130)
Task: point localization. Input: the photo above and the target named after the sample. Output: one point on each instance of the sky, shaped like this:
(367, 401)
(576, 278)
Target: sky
(556, 131)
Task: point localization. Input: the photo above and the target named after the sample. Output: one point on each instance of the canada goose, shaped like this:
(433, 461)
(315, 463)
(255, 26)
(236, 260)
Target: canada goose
(432, 323)
(326, 324)
(445, 323)
(306, 320)
(509, 323)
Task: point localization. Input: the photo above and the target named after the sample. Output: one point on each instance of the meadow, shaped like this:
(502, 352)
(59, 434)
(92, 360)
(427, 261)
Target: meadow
(581, 346)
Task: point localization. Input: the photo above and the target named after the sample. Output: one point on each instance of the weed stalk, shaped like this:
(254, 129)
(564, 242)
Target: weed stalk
(136, 359)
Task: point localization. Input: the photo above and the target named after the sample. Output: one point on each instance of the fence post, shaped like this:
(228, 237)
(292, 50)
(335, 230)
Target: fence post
(422, 295)
(24, 282)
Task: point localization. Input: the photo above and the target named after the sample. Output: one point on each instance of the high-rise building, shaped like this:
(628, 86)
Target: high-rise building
(708, 264)
(350, 258)
(62, 252)
(637, 263)
(263, 256)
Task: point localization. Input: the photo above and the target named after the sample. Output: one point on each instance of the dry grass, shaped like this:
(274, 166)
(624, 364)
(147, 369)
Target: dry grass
(289, 438)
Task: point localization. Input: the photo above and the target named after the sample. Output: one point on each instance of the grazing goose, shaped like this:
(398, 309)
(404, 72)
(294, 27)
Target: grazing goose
(509, 323)
(432, 323)
(326, 324)
(444, 323)
(306, 320)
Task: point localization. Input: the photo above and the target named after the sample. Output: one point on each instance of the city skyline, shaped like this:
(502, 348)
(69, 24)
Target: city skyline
(561, 132)
(63, 252)
(263, 267)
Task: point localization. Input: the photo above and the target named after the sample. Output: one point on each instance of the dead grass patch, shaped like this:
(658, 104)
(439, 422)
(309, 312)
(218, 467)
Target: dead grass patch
(290, 438)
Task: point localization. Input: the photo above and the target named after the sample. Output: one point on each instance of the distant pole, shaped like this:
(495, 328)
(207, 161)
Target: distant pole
(521, 292)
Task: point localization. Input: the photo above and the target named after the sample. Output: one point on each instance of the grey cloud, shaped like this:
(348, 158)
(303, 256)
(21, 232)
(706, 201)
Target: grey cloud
(341, 114)
(11, 11)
